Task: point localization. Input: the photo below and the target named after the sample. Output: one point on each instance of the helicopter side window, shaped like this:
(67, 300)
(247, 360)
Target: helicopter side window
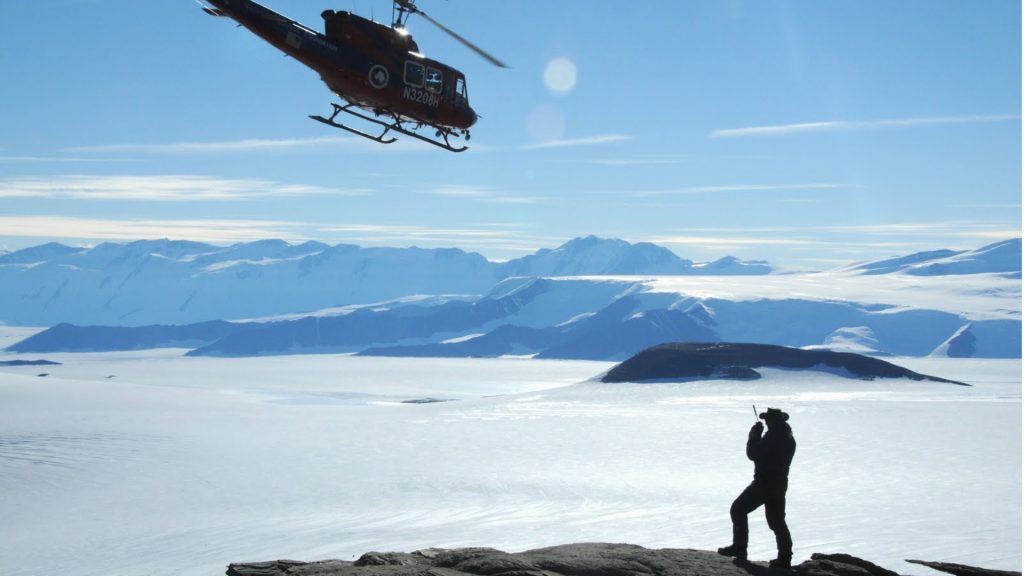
(434, 80)
(460, 90)
(413, 74)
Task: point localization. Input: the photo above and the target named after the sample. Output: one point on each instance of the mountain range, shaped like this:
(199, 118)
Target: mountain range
(1000, 257)
(948, 310)
(176, 282)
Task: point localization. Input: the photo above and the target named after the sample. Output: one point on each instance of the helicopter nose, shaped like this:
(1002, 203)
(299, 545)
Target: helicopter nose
(472, 117)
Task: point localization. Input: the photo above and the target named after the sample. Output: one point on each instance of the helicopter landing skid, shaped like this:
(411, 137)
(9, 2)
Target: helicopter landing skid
(396, 126)
(338, 109)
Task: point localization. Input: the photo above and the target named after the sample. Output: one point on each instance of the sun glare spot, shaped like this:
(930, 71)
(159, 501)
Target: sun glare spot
(560, 75)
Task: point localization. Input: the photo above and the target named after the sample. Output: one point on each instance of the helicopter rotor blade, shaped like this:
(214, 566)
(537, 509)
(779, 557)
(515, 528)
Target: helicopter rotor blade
(409, 6)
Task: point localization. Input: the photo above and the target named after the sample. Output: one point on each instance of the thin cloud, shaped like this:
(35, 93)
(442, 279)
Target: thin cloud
(990, 206)
(461, 191)
(223, 147)
(906, 237)
(481, 194)
(634, 161)
(573, 142)
(729, 188)
(500, 240)
(727, 242)
(61, 159)
(251, 145)
(400, 232)
(133, 229)
(970, 229)
(846, 125)
(159, 188)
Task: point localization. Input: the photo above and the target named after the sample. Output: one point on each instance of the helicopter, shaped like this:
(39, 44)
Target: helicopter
(376, 69)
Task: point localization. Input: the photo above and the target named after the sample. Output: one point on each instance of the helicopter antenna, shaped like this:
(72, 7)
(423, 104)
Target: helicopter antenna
(403, 8)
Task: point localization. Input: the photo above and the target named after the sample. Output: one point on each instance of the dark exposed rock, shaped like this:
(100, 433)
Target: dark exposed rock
(840, 565)
(28, 363)
(272, 568)
(737, 373)
(701, 360)
(585, 559)
(963, 570)
(71, 338)
(385, 559)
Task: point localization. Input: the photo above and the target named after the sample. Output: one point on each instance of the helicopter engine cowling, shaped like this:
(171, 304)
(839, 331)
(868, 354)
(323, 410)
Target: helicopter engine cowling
(343, 26)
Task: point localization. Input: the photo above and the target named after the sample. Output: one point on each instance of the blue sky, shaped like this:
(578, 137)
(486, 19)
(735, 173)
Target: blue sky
(807, 133)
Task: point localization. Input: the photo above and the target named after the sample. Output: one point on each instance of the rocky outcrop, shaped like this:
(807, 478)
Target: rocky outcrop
(963, 570)
(28, 363)
(588, 559)
(704, 360)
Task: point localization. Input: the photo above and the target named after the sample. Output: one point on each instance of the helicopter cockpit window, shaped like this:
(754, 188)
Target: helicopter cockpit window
(413, 73)
(460, 90)
(434, 80)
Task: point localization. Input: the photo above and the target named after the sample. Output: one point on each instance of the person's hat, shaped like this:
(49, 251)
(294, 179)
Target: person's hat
(773, 414)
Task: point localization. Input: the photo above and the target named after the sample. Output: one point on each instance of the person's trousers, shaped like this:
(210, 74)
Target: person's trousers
(773, 497)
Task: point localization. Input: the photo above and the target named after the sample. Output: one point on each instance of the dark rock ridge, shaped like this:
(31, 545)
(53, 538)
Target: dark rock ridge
(587, 559)
(963, 569)
(28, 363)
(702, 360)
(70, 338)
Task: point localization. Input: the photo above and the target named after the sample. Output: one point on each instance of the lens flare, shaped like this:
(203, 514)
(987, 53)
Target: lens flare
(560, 75)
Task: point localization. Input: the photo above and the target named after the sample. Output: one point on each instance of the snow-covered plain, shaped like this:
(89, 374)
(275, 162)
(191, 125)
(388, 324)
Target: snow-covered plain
(152, 463)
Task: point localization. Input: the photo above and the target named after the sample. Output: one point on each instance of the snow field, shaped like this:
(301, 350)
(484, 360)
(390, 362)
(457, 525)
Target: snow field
(181, 465)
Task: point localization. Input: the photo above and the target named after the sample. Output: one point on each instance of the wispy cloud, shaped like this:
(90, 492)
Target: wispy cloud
(901, 236)
(482, 194)
(837, 125)
(495, 240)
(990, 206)
(633, 161)
(254, 145)
(729, 188)
(958, 229)
(72, 159)
(214, 230)
(727, 242)
(222, 147)
(573, 142)
(161, 188)
(978, 229)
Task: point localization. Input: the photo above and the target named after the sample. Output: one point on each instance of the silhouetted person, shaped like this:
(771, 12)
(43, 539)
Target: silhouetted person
(772, 455)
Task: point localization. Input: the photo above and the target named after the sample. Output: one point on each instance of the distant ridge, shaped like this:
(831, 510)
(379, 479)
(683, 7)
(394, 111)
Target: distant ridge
(178, 282)
(593, 318)
(1000, 257)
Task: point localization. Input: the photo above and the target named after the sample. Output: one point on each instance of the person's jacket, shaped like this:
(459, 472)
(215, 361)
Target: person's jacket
(771, 453)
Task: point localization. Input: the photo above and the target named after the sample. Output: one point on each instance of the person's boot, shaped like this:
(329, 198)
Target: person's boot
(782, 563)
(733, 551)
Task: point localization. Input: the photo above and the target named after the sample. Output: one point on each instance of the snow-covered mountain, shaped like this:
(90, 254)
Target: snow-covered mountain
(176, 282)
(597, 256)
(613, 318)
(556, 315)
(1001, 257)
